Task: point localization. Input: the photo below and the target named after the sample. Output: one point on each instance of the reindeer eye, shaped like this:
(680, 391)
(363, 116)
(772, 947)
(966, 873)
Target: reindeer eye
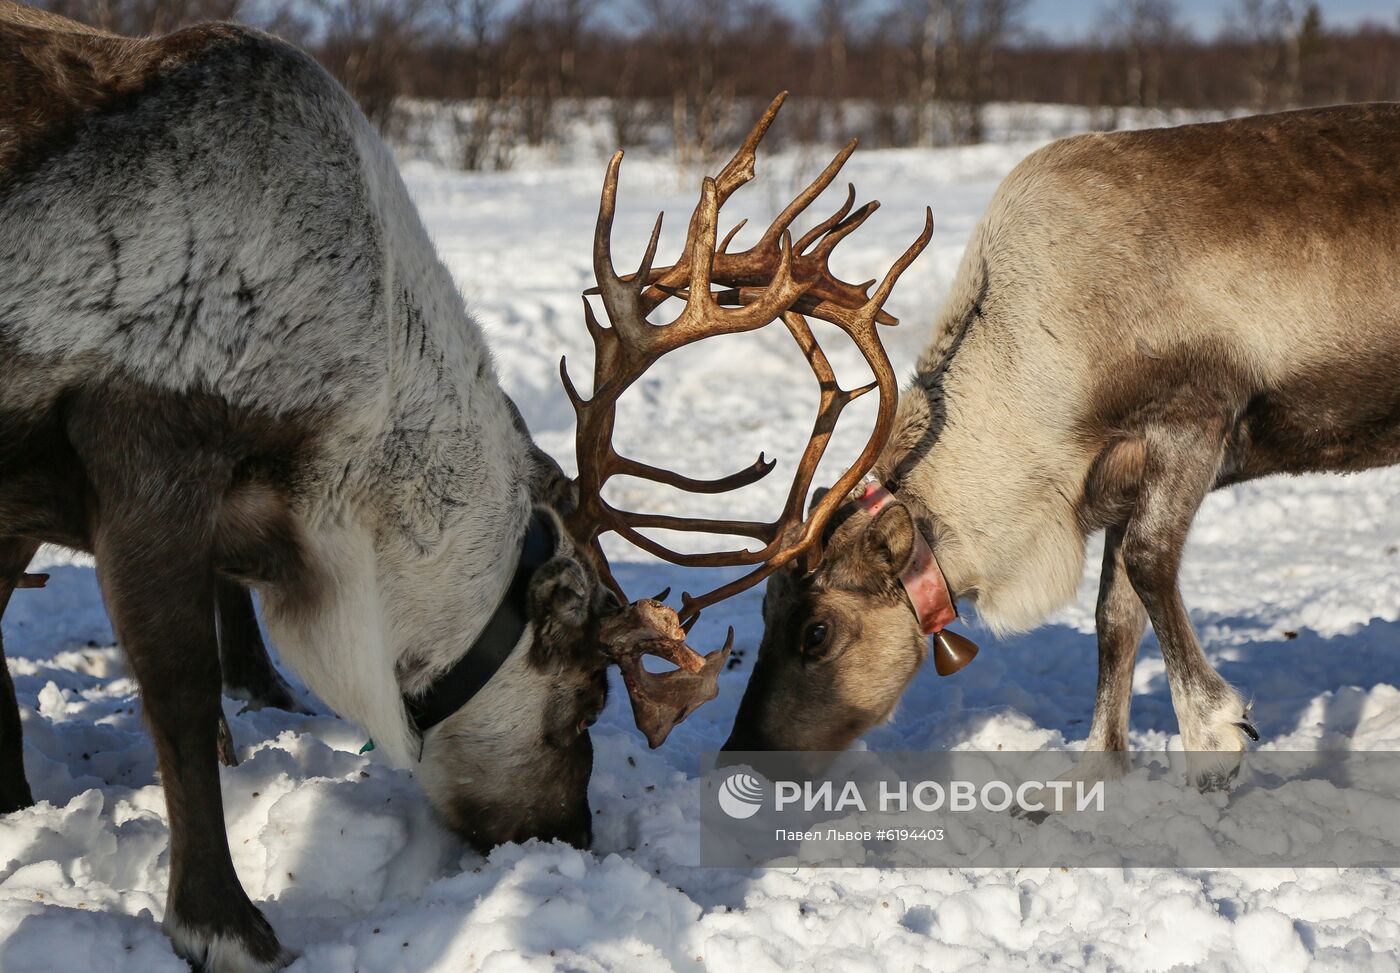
(813, 636)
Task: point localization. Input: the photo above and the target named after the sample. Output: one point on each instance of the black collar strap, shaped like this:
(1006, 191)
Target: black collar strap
(456, 687)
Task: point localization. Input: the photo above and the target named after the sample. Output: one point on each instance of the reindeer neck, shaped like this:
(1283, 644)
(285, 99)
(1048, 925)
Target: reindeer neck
(1004, 525)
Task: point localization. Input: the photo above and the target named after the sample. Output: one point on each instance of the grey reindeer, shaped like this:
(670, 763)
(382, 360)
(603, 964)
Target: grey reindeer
(230, 356)
(1140, 318)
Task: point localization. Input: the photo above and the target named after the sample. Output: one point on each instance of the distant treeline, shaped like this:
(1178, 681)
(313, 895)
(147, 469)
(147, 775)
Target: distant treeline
(921, 71)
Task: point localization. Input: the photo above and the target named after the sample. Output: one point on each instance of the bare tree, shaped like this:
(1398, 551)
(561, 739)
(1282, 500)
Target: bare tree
(834, 21)
(563, 26)
(370, 45)
(1272, 33)
(689, 39)
(984, 29)
(928, 25)
(630, 113)
(506, 73)
(949, 60)
(1141, 31)
(481, 124)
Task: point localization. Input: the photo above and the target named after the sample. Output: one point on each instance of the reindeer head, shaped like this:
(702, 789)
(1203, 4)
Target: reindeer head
(842, 642)
(583, 620)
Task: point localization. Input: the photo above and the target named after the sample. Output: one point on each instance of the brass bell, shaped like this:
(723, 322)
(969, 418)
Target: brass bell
(951, 652)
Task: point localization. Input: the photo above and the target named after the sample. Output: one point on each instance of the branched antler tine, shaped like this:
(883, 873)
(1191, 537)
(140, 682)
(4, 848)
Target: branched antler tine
(811, 304)
(691, 607)
(728, 237)
(640, 278)
(660, 700)
(780, 294)
(695, 525)
(591, 320)
(828, 310)
(815, 232)
(678, 653)
(852, 394)
(718, 559)
(804, 199)
(842, 230)
(827, 412)
(782, 290)
(863, 333)
(882, 293)
(740, 169)
(618, 295)
(734, 481)
(701, 244)
(569, 389)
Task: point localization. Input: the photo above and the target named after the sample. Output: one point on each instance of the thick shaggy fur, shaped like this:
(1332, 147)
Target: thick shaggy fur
(1139, 318)
(229, 351)
(1250, 269)
(174, 270)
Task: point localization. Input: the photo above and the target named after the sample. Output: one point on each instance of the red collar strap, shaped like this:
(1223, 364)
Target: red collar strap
(923, 580)
(927, 589)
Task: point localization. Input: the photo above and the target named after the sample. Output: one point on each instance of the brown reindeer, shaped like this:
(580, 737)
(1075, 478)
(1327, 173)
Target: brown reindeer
(1140, 318)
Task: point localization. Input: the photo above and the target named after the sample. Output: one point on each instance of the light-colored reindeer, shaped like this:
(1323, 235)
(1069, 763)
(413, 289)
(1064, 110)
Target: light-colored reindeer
(229, 352)
(1140, 318)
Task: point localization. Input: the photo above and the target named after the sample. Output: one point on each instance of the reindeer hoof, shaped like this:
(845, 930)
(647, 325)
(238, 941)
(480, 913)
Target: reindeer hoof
(244, 943)
(271, 694)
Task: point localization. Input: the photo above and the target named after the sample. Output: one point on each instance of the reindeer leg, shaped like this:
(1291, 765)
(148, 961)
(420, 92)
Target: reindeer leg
(15, 555)
(248, 671)
(156, 578)
(1121, 619)
(1181, 463)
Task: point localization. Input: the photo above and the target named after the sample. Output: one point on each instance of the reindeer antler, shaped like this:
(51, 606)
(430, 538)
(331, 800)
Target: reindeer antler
(771, 280)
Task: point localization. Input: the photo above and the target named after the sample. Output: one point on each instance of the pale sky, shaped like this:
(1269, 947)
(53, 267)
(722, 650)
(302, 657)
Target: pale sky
(1205, 17)
(1075, 18)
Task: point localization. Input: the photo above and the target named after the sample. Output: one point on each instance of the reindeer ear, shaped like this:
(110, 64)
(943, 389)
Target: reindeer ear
(887, 543)
(817, 495)
(558, 600)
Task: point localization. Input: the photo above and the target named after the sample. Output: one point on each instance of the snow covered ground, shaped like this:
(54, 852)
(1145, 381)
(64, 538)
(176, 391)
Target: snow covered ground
(1295, 585)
